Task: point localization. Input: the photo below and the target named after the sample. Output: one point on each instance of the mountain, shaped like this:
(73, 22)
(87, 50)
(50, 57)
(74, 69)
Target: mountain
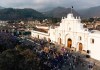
(90, 12)
(17, 14)
(60, 12)
(1, 7)
(45, 9)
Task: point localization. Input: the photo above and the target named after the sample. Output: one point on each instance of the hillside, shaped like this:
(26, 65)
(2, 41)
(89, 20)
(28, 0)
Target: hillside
(1, 7)
(60, 12)
(90, 12)
(16, 14)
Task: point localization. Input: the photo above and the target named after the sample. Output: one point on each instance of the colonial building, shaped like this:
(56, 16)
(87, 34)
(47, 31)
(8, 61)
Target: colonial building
(72, 34)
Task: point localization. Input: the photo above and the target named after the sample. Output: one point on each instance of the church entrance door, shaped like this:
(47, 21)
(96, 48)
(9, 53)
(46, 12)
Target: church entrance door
(80, 47)
(69, 43)
(59, 41)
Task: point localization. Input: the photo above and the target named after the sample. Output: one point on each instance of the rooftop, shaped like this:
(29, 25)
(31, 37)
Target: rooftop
(95, 31)
(41, 30)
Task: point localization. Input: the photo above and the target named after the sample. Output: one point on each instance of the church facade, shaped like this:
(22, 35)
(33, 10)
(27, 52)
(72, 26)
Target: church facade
(72, 34)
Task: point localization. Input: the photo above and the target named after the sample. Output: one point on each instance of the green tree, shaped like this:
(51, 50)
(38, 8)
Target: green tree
(91, 19)
(11, 60)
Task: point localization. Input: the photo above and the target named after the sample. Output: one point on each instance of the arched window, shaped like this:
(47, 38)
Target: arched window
(92, 41)
(80, 38)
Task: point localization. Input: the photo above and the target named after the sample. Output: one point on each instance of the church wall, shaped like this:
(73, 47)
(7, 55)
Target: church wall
(68, 36)
(58, 36)
(81, 38)
(74, 36)
(40, 35)
(52, 35)
(94, 47)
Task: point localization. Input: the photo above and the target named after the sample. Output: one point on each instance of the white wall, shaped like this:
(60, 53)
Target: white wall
(42, 27)
(94, 47)
(40, 34)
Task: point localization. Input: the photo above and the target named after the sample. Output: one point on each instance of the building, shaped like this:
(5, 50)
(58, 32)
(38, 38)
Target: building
(72, 34)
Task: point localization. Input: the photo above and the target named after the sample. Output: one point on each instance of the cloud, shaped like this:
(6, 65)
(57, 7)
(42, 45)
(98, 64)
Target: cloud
(38, 4)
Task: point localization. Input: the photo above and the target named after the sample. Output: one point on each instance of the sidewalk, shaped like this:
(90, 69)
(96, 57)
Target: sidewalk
(97, 63)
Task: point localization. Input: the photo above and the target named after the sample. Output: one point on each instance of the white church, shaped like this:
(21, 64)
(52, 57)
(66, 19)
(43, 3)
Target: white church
(72, 34)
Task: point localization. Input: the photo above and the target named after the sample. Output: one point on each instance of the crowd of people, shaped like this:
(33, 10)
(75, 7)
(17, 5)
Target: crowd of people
(38, 54)
(53, 59)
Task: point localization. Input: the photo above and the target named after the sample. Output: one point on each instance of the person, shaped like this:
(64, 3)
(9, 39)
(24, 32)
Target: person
(91, 65)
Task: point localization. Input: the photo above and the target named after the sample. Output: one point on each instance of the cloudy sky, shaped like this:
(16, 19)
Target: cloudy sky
(40, 4)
